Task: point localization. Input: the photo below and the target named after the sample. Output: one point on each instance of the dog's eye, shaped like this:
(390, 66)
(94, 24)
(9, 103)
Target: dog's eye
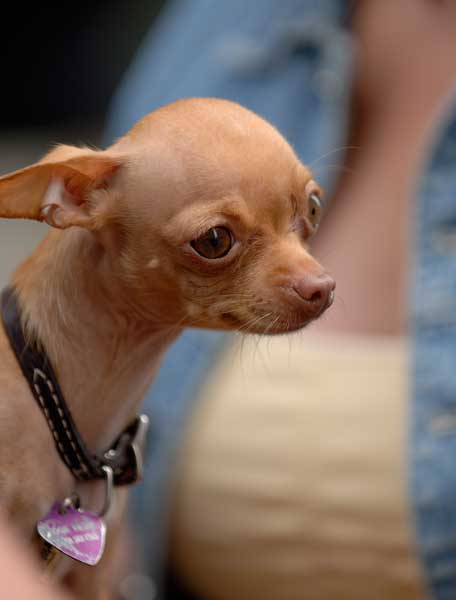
(314, 212)
(215, 243)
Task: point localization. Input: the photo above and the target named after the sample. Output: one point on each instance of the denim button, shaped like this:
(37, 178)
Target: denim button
(307, 49)
(327, 49)
(303, 39)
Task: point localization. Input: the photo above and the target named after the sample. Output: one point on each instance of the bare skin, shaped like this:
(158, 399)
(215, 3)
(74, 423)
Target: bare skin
(406, 67)
(19, 575)
(132, 260)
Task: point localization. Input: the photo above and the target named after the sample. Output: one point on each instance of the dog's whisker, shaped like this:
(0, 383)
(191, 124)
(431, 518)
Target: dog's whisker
(339, 302)
(340, 149)
(247, 327)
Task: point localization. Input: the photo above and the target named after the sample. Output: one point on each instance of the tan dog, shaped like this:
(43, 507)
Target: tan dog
(198, 217)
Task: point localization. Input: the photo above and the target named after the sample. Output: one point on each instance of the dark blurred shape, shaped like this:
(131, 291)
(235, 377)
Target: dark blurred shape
(62, 61)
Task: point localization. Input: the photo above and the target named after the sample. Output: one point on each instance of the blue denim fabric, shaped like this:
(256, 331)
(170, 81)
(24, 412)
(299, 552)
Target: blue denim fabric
(291, 62)
(433, 318)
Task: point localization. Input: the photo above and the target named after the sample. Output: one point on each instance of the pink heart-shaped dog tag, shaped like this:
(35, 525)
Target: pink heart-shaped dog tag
(77, 533)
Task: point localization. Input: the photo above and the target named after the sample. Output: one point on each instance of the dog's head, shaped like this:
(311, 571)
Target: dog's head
(204, 212)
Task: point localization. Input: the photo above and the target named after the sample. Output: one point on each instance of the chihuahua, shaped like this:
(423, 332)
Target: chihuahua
(199, 217)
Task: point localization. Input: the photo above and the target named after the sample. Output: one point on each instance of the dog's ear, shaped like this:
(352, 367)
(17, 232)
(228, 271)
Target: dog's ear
(60, 188)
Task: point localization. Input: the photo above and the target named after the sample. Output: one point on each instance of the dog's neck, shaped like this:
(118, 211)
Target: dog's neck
(104, 358)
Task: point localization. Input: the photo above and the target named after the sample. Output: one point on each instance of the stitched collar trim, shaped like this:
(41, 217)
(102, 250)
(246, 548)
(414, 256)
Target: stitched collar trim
(124, 456)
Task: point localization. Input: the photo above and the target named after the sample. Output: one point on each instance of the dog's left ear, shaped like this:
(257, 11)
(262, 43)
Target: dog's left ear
(60, 188)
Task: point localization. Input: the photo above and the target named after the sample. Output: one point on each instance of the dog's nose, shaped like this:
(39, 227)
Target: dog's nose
(316, 290)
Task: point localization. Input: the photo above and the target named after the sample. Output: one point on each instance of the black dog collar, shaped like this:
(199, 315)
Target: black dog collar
(125, 457)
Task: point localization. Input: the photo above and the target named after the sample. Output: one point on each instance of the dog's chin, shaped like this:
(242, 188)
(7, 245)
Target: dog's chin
(269, 325)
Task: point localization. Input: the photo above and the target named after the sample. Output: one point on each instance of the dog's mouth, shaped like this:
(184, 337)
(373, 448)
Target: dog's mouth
(273, 322)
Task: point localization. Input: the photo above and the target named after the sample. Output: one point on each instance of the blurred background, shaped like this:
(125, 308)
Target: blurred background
(60, 68)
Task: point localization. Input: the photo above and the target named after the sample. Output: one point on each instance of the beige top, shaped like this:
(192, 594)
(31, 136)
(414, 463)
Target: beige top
(292, 480)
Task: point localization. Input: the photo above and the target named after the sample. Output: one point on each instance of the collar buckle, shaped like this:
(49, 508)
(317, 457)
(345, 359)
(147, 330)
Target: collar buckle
(126, 457)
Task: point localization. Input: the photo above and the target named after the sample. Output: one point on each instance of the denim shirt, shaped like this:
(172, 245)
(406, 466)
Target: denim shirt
(292, 62)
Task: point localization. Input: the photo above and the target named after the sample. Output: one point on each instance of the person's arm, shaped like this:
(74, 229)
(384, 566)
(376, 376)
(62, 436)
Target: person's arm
(20, 578)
